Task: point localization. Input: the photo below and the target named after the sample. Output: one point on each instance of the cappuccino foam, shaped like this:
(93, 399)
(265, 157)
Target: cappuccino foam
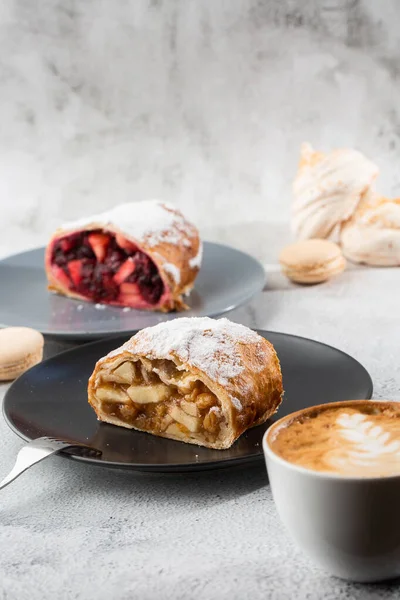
(359, 439)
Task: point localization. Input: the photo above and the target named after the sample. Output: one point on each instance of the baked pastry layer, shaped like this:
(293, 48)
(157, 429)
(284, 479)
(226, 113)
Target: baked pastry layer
(199, 380)
(143, 255)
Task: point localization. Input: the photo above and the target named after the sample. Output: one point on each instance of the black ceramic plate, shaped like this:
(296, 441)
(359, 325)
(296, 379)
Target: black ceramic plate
(227, 279)
(51, 400)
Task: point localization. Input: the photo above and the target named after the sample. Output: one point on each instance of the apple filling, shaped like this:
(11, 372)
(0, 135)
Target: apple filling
(106, 268)
(158, 398)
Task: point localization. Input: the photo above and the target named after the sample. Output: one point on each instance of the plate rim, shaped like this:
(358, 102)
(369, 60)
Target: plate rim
(172, 467)
(102, 334)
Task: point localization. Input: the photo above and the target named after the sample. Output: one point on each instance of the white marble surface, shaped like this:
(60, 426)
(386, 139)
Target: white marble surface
(71, 531)
(200, 102)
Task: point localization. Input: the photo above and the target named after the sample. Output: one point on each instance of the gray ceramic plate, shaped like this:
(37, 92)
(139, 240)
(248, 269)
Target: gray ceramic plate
(227, 279)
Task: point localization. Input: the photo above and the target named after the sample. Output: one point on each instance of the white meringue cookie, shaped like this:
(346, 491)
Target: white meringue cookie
(327, 189)
(372, 235)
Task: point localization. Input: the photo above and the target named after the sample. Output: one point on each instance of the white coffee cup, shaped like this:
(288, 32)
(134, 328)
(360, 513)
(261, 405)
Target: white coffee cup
(349, 526)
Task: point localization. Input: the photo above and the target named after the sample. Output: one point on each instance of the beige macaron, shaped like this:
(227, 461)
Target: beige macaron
(20, 349)
(312, 261)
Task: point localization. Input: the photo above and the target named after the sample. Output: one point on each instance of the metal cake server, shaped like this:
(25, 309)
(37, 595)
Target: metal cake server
(39, 449)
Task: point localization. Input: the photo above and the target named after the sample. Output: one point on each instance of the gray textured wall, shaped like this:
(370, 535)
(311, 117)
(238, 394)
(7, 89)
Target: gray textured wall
(203, 102)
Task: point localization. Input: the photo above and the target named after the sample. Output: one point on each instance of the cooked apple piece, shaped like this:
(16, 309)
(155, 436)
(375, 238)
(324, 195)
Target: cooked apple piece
(145, 394)
(145, 372)
(186, 383)
(210, 422)
(204, 400)
(124, 243)
(147, 364)
(75, 268)
(125, 270)
(161, 409)
(129, 294)
(111, 393)
(61, 275)
(125, 372)
(99, 243)
(129, 411)
(192, 423)
(190, 408)
(175, 430)
(167, 420)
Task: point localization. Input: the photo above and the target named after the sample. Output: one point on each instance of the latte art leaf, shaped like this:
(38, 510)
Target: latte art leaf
(367, 444)
(354, 438)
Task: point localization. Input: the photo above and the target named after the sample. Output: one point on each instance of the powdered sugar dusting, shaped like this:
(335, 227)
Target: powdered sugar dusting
(151, 221)
(205, 343)
(173, 271)
(195, 262)
(236, 403)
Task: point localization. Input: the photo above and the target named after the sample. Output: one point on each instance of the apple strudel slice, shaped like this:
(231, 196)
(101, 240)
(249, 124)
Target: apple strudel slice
(196, 380)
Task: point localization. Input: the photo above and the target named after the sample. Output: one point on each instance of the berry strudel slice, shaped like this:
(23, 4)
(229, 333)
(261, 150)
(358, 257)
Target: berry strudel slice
(195, 380)
(143, 255)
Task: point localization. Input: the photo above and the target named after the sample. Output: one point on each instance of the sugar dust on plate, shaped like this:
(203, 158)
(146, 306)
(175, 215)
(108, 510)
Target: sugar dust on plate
(103, 307)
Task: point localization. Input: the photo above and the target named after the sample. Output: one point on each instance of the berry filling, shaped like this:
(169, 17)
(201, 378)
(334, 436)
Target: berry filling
(106, 268)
